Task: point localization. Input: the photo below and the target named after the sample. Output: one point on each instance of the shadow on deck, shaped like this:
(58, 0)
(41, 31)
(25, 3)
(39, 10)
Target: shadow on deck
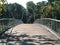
(25, 39)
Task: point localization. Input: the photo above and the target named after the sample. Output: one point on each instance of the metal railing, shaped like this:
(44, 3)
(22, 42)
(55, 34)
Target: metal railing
(5, 24)
(51, 23)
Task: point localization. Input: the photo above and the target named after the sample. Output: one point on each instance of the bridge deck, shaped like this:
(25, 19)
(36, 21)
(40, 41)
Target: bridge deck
(29, 34)
(31, 29)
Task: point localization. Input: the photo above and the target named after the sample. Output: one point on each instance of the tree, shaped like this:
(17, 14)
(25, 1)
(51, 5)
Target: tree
(57, 8)
(0, 9)
(31, 7)
(3, 1)
(51, 11)
(50, 1)
(48, 11)
(39, 7)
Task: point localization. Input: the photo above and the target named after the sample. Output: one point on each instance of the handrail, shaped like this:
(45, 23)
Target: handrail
(53, 24)
(5, 23)
(51, 19)
(6, 18)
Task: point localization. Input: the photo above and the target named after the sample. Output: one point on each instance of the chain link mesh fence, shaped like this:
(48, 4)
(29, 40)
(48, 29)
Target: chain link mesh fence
(51, 23)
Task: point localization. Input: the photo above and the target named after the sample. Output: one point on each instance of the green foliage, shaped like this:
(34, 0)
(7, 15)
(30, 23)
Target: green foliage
(12, 11)
(0, 27)
(0, 9)
(47, 11)
(1, 6)
(3, 1)
(33, 11)
(57, 8)
(50, 1)
(50, 9)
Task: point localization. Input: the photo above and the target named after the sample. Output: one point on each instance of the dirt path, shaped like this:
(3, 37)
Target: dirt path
(31, 29)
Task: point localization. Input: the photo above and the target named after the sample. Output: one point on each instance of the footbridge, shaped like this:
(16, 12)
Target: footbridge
(44, 31)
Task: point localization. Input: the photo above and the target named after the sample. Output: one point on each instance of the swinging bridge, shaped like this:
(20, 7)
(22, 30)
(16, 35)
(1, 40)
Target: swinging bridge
(44, 31)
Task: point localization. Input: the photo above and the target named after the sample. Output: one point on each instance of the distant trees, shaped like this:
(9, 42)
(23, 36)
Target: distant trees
(31, 10)
(0, 9)
(50, 1)
(57, 8)
(50, 9)
(1, 6)
(12, 10)
(3, 1)
(40, 7)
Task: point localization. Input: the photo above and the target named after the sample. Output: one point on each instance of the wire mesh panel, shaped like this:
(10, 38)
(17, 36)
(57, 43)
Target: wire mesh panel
(5, 23)
(51, 23)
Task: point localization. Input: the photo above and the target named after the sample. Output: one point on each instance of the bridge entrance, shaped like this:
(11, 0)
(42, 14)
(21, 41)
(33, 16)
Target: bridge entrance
(28, 34)
(18, 33)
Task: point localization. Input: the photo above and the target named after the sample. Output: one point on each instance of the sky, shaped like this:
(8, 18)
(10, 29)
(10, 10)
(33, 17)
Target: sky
(23, 2)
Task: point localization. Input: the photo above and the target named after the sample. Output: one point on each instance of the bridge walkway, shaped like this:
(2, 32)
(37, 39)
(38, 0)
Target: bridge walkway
(29, 34)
